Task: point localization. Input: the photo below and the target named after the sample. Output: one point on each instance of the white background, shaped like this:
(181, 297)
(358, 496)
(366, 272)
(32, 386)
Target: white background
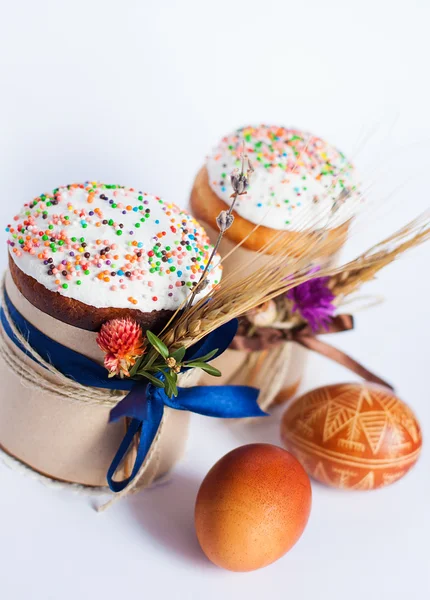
(137, 92)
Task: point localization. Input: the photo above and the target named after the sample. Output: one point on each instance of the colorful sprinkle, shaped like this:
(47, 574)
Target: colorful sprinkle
(122, 254)
(289, 164)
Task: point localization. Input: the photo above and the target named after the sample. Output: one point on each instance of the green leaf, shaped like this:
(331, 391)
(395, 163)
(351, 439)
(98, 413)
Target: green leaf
(211, 370)
(153, 357)
(152, 379)
(171, 379)
(205, 367)
(168, 389)
(179, 354)
(206, 357)
(155, 368)
(144, 363)
(171, 375)
(134, 369)
(157, 344)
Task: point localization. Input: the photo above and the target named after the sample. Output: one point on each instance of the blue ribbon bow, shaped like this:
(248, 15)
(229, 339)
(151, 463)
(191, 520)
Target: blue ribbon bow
(144, 404)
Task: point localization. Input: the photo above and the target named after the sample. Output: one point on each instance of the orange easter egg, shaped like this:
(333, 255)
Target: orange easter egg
(252, 507)
(353, 436)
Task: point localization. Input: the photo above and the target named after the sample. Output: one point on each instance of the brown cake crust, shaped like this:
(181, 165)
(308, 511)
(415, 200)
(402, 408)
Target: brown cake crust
(206, 206)
(76, 313)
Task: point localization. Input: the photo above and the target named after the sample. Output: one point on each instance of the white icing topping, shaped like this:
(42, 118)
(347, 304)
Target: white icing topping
(298, 178)
(110, 246)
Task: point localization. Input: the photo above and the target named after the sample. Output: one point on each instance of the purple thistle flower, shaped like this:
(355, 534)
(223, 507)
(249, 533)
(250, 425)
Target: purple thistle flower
(314, 301)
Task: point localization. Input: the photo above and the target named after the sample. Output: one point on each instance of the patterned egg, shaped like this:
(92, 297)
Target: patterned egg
(352, 436)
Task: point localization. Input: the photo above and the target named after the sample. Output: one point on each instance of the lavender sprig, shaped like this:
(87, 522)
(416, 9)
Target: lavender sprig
(239, 183)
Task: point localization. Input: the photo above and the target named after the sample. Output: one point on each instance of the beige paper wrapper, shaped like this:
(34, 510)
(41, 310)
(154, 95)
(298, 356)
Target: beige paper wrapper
(66, 440)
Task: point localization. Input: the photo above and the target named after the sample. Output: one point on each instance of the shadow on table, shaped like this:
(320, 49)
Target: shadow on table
(166, 513)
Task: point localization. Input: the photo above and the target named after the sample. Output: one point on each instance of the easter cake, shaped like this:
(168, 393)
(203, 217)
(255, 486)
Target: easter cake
(87, 253)
(298, 183)
(81, 256)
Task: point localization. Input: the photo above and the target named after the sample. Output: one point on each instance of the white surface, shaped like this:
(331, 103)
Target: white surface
(106, 90)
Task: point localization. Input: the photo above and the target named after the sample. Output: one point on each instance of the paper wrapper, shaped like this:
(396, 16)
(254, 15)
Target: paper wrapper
(64, 439)
(277, 372)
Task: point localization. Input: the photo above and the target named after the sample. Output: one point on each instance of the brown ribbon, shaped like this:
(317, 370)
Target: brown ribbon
(268, 337)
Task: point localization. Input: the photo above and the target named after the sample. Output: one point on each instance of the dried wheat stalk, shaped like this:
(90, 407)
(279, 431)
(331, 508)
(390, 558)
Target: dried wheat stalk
(350, 277)
(237, 295)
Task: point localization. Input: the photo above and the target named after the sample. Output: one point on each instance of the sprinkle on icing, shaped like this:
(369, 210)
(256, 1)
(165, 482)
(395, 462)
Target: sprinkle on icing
(111, 246)
(297, 178)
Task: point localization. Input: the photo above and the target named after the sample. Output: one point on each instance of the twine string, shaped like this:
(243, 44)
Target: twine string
(68, 389)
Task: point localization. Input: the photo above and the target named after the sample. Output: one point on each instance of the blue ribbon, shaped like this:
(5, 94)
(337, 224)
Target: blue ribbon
(144, 404)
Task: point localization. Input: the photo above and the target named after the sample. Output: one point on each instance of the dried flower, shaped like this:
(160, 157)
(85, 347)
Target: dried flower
(239, 182)
(172, 364)
(264, 315)
(314, 301)
(224, 220)
(122, 341)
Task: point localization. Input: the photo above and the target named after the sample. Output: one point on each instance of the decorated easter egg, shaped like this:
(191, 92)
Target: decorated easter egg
(353, 436)
(252, 507)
